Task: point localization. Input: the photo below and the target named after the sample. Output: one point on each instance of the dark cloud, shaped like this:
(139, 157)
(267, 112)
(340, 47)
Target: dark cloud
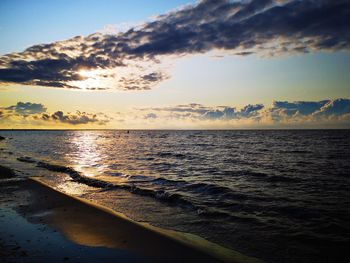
(74, 119)
(226, 113)
(281, 111)
(37, 112)
(319, 109)
(243, 27)
(198, 111)
(299, 107)
(250, 110)
(230, 113)
(143, 82)
(336, 107)
(27, 108)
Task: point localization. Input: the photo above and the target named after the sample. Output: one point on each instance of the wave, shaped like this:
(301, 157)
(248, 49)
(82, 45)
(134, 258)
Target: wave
(75, 175)
(168, 182)
(205, 188)
(173, 192)
(264, 177)
(171, 154)
(26, 159)
(161, 195)
(202, 189)
(219, 214)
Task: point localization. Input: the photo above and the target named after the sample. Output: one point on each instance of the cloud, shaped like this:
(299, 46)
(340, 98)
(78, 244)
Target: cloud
(281, 114)
(199, 111)
(143, 82)
(151, 116)
(267, 27)
(251, 110)
(314, 113)
(27, 108)
(36, 113)
(336, 107)
(310, 110)
(74, 119)
(298, 107)
(194, 108)
(226, 113)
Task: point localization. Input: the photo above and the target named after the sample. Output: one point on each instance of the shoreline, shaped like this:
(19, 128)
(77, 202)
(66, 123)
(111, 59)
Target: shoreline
(93, 226)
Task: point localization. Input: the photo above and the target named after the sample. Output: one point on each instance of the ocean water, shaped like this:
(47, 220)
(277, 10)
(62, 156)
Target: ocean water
(281, 196)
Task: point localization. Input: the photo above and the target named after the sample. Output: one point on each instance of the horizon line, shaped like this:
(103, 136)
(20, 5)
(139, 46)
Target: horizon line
(238, 129)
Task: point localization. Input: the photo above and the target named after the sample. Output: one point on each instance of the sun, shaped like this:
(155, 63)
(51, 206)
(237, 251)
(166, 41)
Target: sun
(87, 73)
(91, 80)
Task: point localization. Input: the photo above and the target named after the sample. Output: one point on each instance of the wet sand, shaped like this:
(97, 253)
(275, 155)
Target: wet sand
(41, 224)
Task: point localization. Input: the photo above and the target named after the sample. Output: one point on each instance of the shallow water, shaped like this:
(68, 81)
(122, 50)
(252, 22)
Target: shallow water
(282, 196)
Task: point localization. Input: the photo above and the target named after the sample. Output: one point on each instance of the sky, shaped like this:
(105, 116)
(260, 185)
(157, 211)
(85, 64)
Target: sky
(204, 64)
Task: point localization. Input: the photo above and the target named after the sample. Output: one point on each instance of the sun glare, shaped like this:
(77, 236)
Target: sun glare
(87, 73)
(91, 80)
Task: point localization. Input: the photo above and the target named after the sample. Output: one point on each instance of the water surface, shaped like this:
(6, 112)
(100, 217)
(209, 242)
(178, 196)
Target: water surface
(282, 196)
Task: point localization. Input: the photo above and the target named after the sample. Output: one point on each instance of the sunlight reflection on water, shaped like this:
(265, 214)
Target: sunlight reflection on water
(88, 156)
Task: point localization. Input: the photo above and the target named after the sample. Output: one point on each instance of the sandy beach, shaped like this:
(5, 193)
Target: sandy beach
(40, 224)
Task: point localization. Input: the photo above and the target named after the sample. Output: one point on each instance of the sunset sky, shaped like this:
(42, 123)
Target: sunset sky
(175, 64)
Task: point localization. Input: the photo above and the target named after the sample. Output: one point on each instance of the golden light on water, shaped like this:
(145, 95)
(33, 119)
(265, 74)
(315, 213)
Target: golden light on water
(88, 157)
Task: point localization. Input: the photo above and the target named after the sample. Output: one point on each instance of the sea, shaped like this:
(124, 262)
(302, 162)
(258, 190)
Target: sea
(278, 195)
